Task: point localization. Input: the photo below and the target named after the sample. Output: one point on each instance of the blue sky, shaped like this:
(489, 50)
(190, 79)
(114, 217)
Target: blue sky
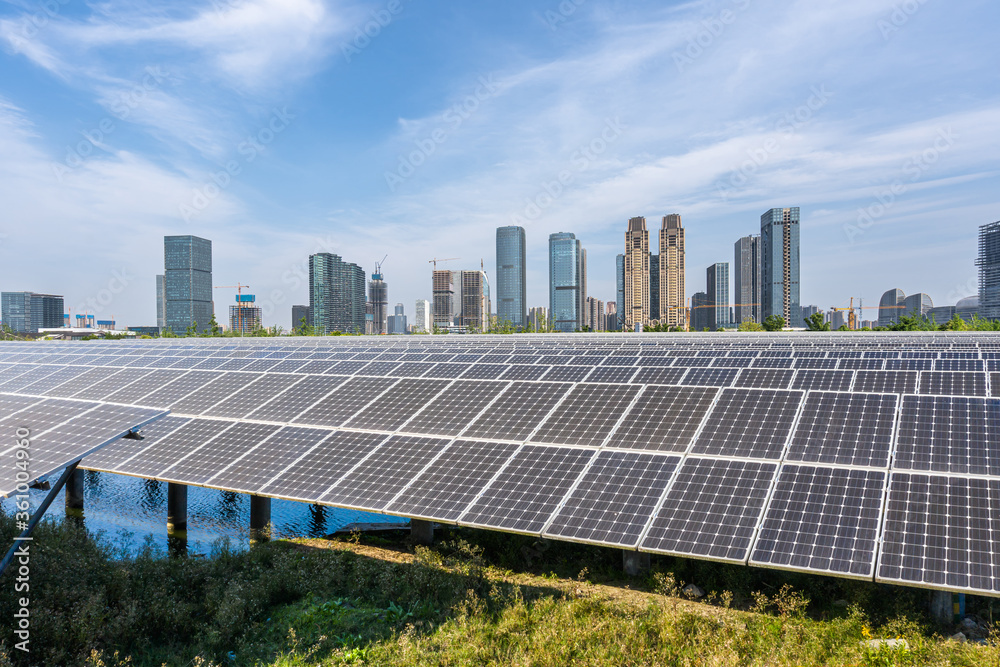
(279, 128)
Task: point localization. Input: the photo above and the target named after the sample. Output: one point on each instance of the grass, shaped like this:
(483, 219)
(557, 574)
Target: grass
(475, 598)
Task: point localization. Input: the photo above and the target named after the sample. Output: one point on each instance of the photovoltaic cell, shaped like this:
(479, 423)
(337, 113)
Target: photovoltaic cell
(587, 415)
(518, 412)
(145, 385)
(80, 382)
(659, 375)
(615, 498)
(377, 479)
(886, 382)
(397, 404)
(764, 378)
(345, 401)
(664, 418)
(52, 380)
(710, 377)
(751, 423)
(452, 410)
(711, 510)
(529, 489)
(445, 490)
(825, 380)
(218, 389)
(953, 384)
(484, 372)
(612, 374)
(171, 448)
(107, 458)
(311, 476)
(525, 372)
(953, 434)
(567, 373)
(447, 370)
(815, 363)
(177, 389)
(849, 429)
(294, 400)
(822, 519)
(941, 532)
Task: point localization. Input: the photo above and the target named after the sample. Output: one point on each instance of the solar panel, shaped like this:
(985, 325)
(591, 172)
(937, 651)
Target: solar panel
(711, 510)
(260, 465)
(822, 520)
(346, 400)
(447, 371)
(949, 434)
(659, 375)
(174, 390)
(941, 532)
(614, 499)
(252, 396)
(443, 491)
(751, 423)
(826, 380)
(587, 415)
(134, 392)
(454, 408)
(202, 464)
(567, 374)
(108, 458)
(29, 377)
(953, 384)
(525, 372)
(528, 490)
(397, 405)
(612, 374)
(52, 380)
(374, 482)
(764, 378)
(518, 411)
(849, 429)
(711, 377)
(70, 387)
(172, 447)
(223, 386)
(886, 382)
(664, 418)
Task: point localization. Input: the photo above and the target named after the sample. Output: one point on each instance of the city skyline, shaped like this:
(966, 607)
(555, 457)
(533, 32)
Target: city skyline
(874, 157)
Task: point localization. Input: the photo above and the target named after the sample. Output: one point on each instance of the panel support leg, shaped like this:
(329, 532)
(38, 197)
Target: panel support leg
(260, 518)
(177, 517)
(421, 532)
(20, 546)
(942, 608)
(74, 493)
(635, 563)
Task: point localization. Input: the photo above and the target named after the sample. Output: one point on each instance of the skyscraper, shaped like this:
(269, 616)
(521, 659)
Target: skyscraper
(890, 307)
(671, 265)
(396, 323)
(27, 312)
(700, 311)
(636, 273)
(187, 281)
(161, 303)
(989, 270)
(918, 305)
(443, 289)
(565, 281)
(620, 286)
(779, 245)
(717, 283)
(336, 294)
(654, 288)
(512, 303)
(300, 314)
(422, 320)
(746, 280)
(378, 296)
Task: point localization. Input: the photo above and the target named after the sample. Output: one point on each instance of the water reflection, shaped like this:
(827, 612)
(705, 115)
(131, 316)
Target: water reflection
(131, 512)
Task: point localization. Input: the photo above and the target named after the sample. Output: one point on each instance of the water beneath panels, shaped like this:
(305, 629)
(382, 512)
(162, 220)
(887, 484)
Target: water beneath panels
(131, 512)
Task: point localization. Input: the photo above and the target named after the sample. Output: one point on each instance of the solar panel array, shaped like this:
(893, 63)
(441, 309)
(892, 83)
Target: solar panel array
(863, 456)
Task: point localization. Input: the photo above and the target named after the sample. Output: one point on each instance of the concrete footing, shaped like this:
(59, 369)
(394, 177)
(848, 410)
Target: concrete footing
(421, 532)
(74, 492)
(177, 508)
(635, 563)
(260, 518)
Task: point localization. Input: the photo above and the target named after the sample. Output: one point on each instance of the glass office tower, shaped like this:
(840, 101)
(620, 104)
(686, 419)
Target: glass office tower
(565, 281)
(336, 294)
(187, 282)
(512, 302)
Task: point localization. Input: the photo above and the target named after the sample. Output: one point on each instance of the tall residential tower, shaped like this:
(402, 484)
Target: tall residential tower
(779, 245)
(671, 266)
(636, 273)
(746, 279)
(336, 294)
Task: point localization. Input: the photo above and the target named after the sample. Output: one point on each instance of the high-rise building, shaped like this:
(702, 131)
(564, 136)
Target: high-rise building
(187, 280)
(836, 318)
(779, 271)
(671, 272)
(473, 309)
(245, 314)
(27, 312)
(989, 270)
(566, 265)
(443, 288)
(805, 312)
(300, 315)
(636, 273)
(717, 277)
(611, 322)
(595, 314)
(654, 288)
(620, 294)
(890, 307)
(396, 323)
(512, 303)
(538, 319)
(378, 297)
(422, 319)
(700, 311)
(582, 309)
(941, 314)
(336, 294)
(918, 305)
(161, 303)
(746, 280)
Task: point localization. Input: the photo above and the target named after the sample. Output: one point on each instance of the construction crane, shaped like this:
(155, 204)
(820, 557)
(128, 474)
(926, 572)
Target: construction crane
(239, 302)
(852, 317)
(436, 260)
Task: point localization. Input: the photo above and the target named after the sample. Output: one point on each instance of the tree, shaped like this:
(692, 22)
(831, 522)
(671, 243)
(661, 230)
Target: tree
(815, 323)
(774, 323)
(956, 323)
(750, 325)
(304, 329)
(213, 327)
(913, 323)
(193, 329)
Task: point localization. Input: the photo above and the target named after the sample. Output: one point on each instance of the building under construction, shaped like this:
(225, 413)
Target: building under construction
(378, 298)
(461, 299)
(245, 314)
